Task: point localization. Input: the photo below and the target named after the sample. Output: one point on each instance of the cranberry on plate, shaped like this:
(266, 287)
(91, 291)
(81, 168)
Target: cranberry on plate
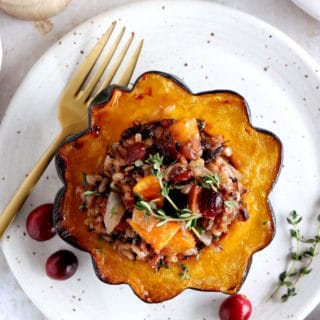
(236, 307)
(40, 223)
(61, 265)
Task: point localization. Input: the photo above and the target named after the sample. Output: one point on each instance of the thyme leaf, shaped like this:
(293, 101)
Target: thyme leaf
(84, 181)
(211, 182)
(138, 163)
(91, 193)
(230, 204)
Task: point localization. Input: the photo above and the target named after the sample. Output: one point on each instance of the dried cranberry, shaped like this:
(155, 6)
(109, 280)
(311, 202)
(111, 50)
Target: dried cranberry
(167, 149)
(180, 174)
(136, 151)
(211, 203)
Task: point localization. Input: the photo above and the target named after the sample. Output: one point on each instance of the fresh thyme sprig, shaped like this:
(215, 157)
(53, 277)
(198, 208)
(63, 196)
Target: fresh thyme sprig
(301, 258)
(150, 209)
(157, 160)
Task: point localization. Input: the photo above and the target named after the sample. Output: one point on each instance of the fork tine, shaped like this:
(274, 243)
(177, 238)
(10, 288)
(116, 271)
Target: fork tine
(117, 64)
(84, 94)
(82, 73)
(127, 74)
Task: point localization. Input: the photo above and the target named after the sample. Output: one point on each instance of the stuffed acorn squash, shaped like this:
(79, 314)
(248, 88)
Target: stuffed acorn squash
(168, 189)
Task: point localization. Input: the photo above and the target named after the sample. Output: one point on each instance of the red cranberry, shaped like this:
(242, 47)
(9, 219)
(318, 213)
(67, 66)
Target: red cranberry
(179, 174)
(211, 203)
(236, 307)
(40, 223)
(61, 265)
(167, 149)
(136, 151)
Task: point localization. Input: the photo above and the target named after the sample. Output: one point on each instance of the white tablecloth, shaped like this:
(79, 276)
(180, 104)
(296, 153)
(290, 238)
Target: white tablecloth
(23, 44)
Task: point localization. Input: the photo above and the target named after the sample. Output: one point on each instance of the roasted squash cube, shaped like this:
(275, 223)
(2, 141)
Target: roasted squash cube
(182, 241)
(159, 236)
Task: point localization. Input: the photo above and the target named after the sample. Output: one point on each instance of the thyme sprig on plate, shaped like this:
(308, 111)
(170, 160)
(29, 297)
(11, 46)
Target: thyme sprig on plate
(301, 258)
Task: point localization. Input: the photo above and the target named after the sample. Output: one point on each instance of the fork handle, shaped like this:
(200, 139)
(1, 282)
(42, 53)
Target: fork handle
(14, 205)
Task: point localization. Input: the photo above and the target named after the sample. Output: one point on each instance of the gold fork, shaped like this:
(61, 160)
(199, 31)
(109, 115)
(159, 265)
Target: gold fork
(73, 109)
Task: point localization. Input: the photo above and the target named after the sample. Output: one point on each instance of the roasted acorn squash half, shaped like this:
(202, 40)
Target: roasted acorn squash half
(155, 96)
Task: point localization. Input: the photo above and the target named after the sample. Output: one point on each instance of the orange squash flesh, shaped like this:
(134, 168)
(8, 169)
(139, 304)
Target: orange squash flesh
(256, 154)
(184, 130)
(180, 242)
(139, 218)
(158, 236)
(148, 188)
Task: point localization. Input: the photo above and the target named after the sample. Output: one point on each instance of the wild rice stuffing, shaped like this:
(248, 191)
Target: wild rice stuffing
(167, 189)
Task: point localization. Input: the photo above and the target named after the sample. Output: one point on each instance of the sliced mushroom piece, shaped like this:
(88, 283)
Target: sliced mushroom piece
(114, 212)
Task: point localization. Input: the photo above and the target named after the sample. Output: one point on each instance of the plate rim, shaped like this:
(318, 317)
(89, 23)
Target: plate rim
(307, 8)
(299, 51)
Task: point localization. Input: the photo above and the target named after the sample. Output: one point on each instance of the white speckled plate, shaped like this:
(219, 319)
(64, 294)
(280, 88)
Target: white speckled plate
(209, 47)
(312, 7)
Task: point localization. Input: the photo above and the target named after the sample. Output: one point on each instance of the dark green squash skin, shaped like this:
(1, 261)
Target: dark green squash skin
(102, 99)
